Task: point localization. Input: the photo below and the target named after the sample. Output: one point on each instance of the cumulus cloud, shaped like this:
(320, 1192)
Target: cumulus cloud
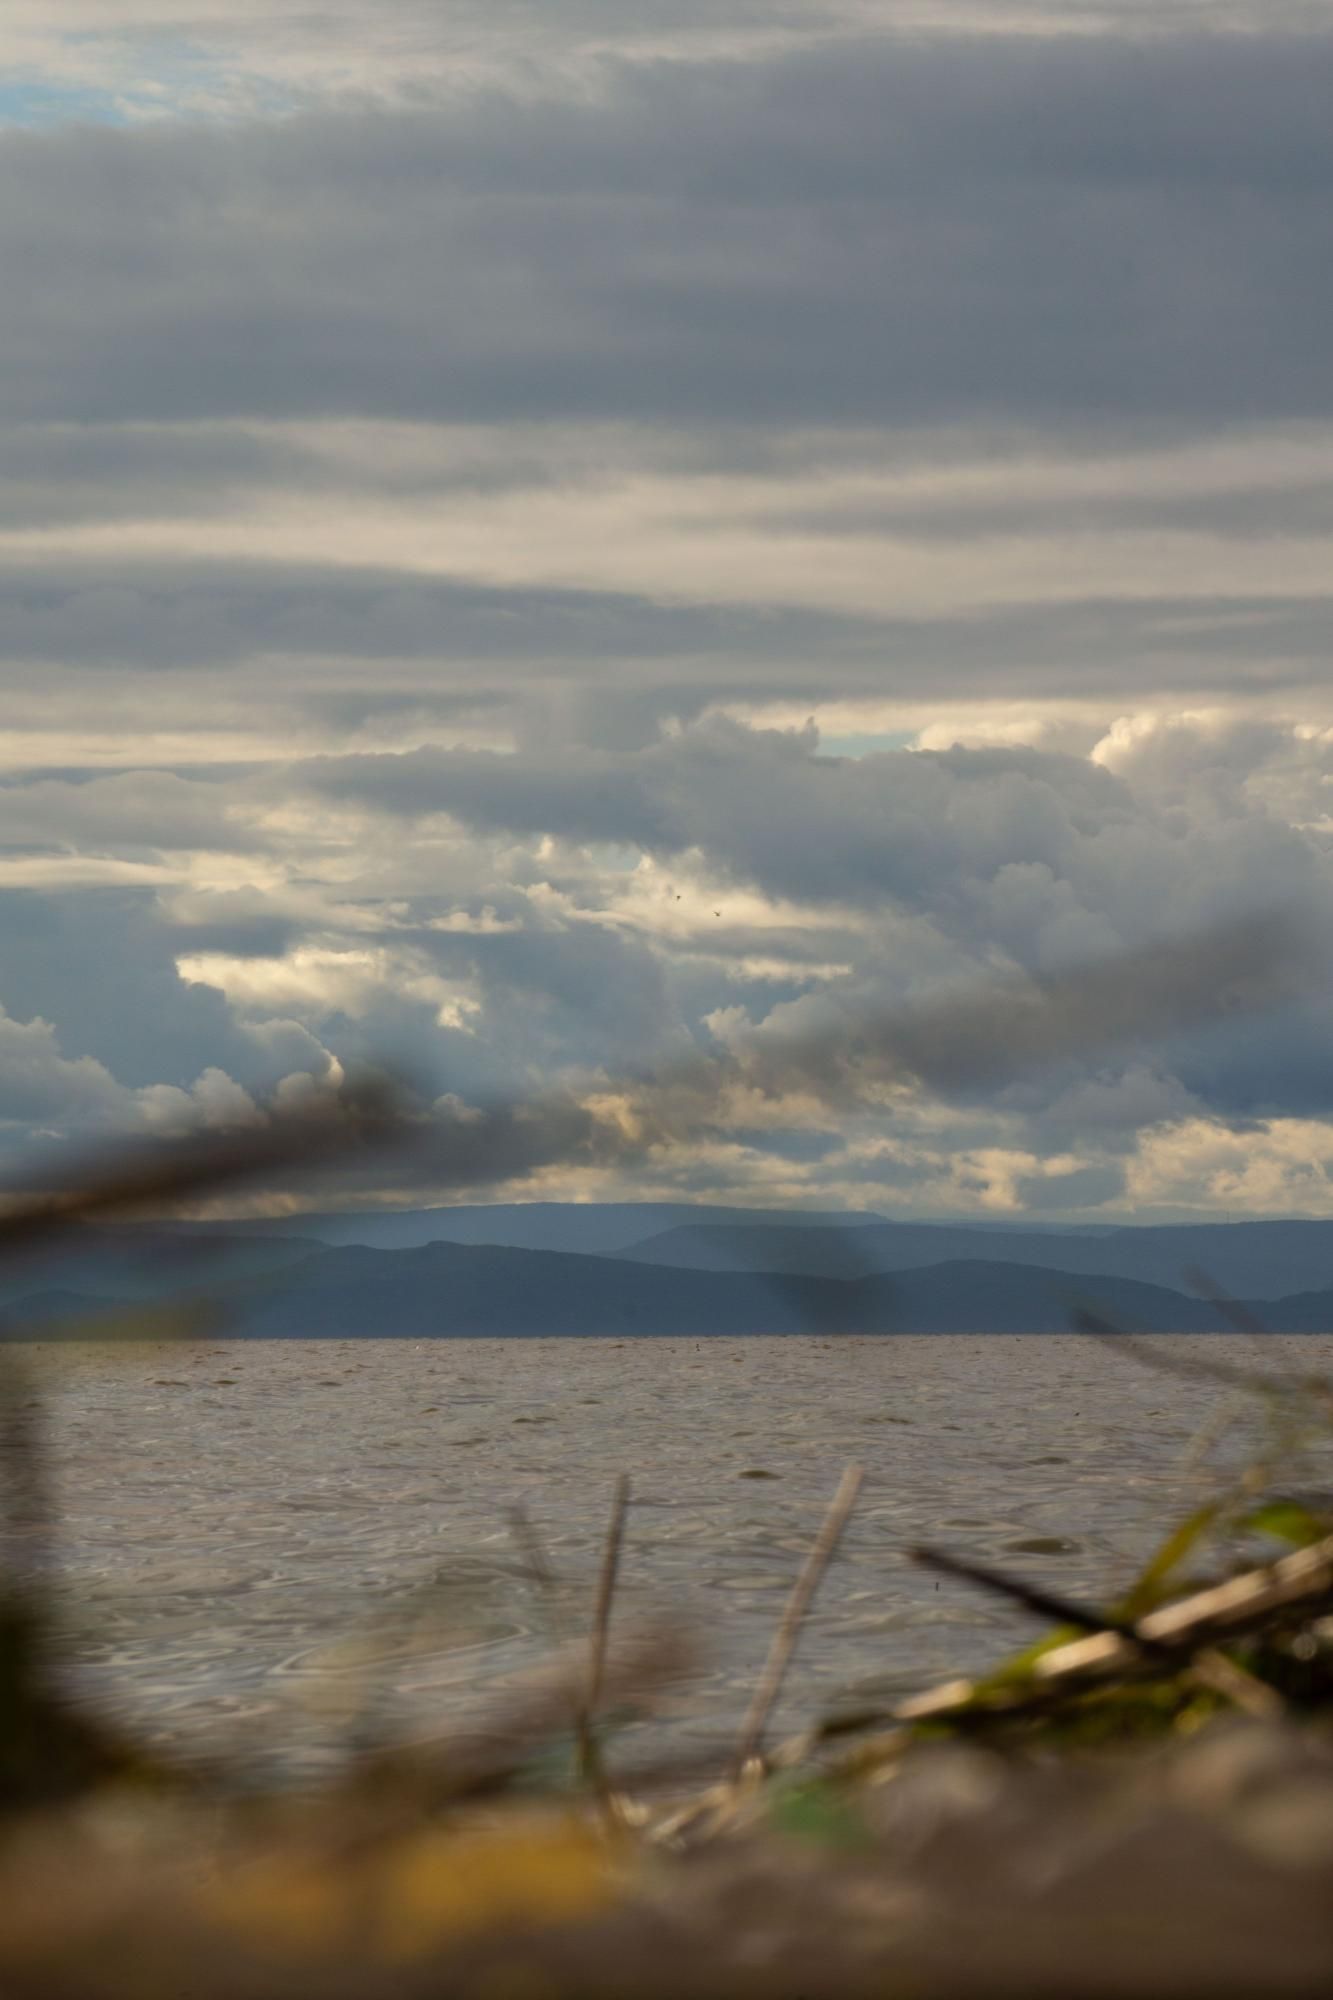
(1039, 853)
(214, 1103)
(40, 1085)
(765, 1096)
(100, 964)
(946, 866)
(727, 937)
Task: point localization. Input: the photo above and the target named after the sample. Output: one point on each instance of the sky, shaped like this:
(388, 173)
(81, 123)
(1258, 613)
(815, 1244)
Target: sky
(594, 552)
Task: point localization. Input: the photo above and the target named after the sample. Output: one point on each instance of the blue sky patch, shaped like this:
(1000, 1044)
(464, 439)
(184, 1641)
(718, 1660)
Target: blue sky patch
(31, 102)
(153, 80)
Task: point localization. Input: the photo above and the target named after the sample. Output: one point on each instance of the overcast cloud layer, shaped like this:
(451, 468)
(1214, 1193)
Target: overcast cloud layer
(579, 549)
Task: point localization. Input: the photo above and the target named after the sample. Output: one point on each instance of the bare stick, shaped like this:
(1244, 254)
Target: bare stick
(589, 1761)
(798, 1604)
(1033, 1597)
(539, 1567)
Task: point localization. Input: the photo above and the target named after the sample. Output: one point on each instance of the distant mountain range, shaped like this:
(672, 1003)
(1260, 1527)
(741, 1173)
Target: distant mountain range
(1262, 1260)
(663, 1268)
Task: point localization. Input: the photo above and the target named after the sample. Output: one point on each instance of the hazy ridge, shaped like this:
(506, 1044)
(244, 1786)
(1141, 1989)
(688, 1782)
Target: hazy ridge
(716, 1275)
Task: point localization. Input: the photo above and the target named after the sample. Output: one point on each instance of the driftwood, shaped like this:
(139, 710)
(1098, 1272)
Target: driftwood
(1162, 1641)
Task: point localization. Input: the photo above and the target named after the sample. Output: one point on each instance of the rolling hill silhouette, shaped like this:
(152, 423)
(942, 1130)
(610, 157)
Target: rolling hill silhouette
(446, 1290)
(722, 1272)
(1248, 1259)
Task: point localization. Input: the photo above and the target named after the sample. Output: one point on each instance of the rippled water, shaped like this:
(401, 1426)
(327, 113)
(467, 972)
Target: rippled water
(263, 1542)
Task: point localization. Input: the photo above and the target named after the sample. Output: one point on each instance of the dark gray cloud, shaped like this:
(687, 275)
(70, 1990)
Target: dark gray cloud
(608, 665)
(875, 233)
(1233, 972)
(1081, 1188)
(67, 473)
(56, 472)
(184, 613)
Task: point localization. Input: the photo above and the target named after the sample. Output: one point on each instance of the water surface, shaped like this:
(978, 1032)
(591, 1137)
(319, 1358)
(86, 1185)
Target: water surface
(266, 1544)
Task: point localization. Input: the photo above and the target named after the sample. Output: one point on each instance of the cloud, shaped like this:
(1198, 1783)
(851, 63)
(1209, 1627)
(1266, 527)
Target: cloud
(1031, 851)
(941, 868)
(1029, 229)
(447, 457)
(40, 1086)
(153, 59)
(182, 614)
(795, 1079)
(723, 937)
(213, 1103)
(45, 1093)
(1282, 1167)
(131, 813)
(99, 964)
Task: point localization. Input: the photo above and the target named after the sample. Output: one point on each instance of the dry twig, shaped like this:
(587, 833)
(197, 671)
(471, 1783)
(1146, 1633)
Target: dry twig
(1033, 1597)
(798, 1604)
(590, 1762)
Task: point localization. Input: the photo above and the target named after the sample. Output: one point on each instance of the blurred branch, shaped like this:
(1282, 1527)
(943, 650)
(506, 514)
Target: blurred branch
(354, 1120)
